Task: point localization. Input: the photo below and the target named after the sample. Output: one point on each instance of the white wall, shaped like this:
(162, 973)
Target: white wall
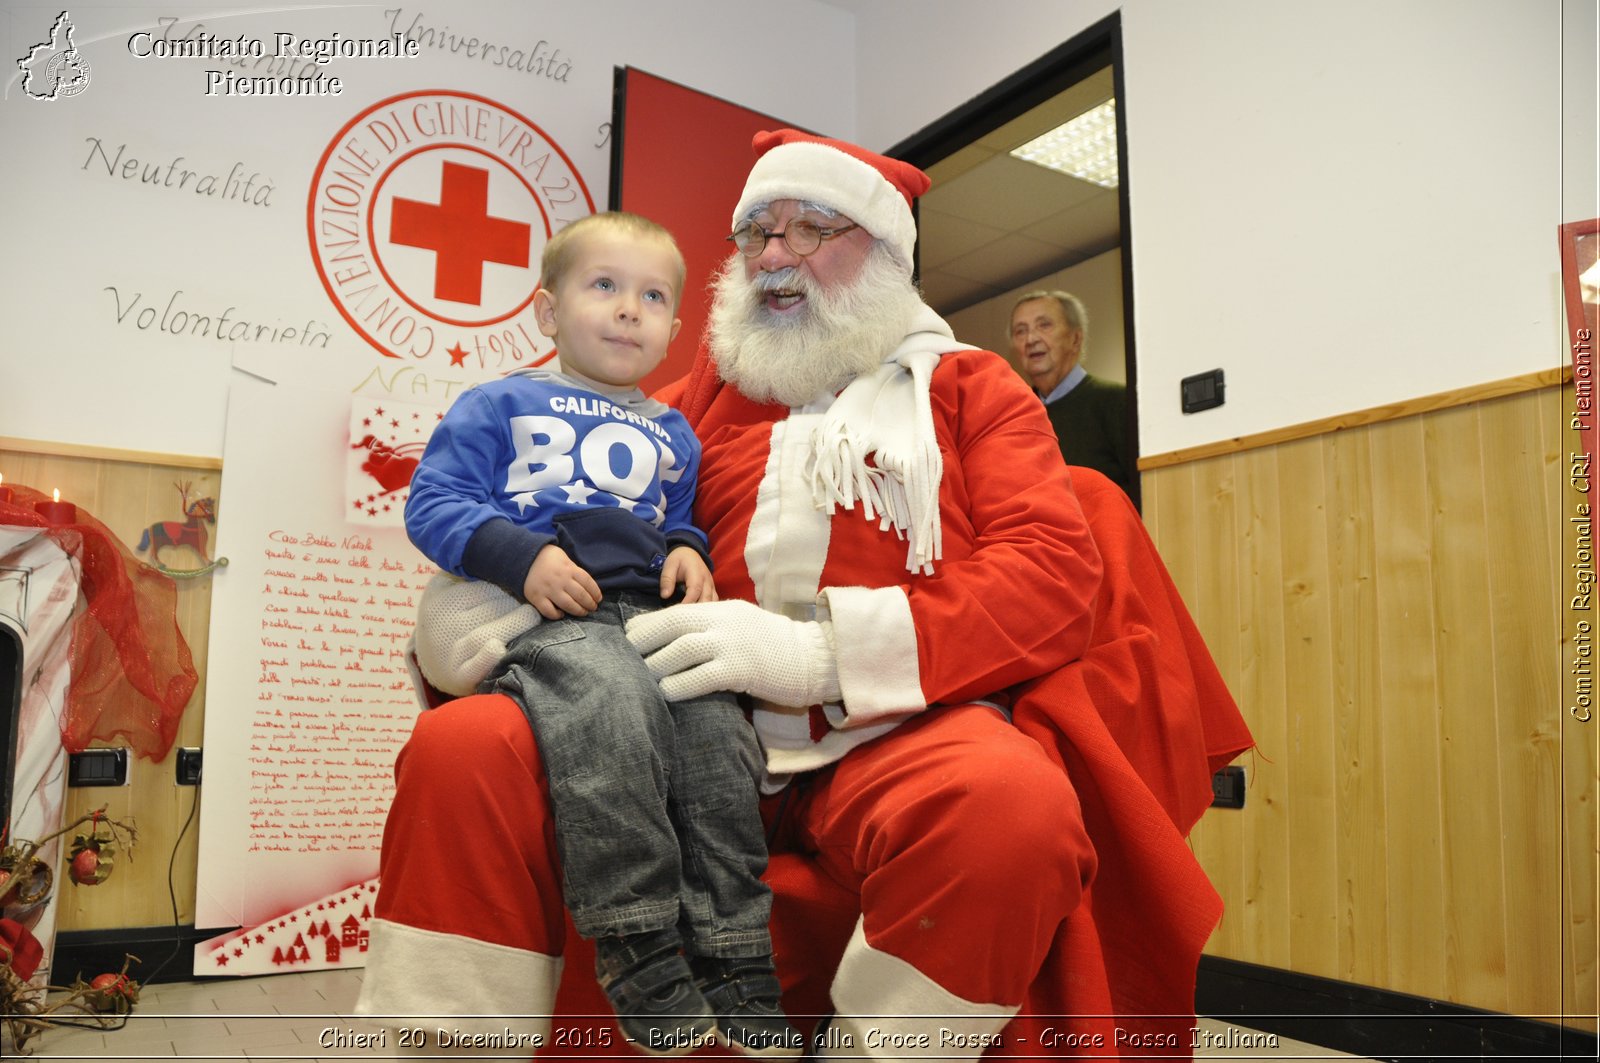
(1342, 205)
(1580, 108)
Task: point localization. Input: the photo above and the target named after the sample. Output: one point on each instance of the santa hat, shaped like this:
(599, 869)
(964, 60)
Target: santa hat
(872, 190)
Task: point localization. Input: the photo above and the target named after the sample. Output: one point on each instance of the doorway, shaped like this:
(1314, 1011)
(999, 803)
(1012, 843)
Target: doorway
(994, 226)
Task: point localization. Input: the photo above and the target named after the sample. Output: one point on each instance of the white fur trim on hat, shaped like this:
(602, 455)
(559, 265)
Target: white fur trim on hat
(817, 173)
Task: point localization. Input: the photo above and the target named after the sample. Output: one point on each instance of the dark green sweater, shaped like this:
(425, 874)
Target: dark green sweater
(1091, 423)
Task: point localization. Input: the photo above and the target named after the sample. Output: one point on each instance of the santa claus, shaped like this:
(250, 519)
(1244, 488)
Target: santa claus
(987, 718)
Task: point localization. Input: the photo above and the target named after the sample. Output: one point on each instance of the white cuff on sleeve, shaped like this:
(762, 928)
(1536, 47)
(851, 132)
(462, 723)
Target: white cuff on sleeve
(876, 645)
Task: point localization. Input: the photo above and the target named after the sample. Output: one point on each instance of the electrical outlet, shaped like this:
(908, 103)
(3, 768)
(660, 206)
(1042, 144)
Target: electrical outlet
(1203, 391)
(189, 766)
(1227, 788)
(98, 767)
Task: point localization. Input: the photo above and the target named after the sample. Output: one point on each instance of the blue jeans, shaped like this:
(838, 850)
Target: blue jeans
(655, 802)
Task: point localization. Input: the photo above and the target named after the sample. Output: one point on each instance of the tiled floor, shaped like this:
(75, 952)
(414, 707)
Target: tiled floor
(284, 1017)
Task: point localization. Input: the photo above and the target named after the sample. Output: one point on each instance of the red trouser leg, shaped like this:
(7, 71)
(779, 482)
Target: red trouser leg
(968, 847)
(468, 919)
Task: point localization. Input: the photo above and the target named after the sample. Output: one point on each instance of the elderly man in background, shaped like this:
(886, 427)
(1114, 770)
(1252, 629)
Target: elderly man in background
(1090, 416)
(985, 725)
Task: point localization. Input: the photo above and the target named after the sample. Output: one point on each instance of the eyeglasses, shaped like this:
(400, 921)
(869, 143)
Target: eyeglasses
(801, 236)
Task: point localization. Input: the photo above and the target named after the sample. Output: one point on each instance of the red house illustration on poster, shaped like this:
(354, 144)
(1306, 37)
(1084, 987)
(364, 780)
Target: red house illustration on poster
(340, 920)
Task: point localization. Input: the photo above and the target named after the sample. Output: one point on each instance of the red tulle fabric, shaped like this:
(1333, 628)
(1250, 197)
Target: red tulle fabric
(19, 949)
(132, 673)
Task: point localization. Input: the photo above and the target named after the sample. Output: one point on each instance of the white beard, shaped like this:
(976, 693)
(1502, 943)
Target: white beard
(837, 336)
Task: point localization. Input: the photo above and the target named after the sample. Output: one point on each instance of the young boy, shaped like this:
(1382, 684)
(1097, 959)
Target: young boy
(572, 491)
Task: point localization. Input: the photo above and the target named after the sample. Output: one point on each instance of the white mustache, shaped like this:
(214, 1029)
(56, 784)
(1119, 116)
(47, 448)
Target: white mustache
(786, 279)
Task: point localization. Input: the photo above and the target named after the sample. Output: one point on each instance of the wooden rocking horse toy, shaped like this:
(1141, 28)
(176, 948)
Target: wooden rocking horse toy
(190, 532)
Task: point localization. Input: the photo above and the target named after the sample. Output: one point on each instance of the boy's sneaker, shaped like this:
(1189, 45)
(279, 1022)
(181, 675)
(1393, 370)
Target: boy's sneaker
(653, 993)
(744, 994)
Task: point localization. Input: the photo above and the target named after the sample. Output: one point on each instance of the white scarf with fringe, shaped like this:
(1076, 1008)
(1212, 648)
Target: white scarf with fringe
(886, 414)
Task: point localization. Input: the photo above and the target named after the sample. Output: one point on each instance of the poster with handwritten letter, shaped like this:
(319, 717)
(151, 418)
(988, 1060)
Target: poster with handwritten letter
(309, 697)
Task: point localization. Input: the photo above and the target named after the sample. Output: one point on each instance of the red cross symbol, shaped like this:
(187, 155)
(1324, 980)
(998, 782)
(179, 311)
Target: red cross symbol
(459, 230)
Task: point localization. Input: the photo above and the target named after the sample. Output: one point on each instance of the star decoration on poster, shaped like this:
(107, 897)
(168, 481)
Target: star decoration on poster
(387, 438)
(315, 936)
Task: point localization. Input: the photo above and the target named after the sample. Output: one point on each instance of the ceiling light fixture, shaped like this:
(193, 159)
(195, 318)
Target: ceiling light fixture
(1085, 147)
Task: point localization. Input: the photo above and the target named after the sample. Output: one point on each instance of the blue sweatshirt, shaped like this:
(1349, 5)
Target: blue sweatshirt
(538, 458)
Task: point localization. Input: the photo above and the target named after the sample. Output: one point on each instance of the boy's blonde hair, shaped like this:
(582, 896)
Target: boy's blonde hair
(558, 252)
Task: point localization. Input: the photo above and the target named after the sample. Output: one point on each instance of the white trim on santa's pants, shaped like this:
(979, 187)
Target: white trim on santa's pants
(886, 1009)
(424, 979)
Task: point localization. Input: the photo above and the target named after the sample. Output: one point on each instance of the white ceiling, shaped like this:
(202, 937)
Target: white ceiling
(992, 223)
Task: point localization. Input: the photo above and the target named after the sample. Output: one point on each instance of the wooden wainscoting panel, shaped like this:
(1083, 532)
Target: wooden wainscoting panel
(1263, 682)
(1176, 503)
(1149, 505)
(1306, 765)
(1525, 662)
(1580, 745)
(1476, 923)
(1408, 721)
(1171, 512)
(1213, 535)
(1360, 816)
(1405, 579)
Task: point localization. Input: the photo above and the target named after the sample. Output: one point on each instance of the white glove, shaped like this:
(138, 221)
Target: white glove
(709, 646)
